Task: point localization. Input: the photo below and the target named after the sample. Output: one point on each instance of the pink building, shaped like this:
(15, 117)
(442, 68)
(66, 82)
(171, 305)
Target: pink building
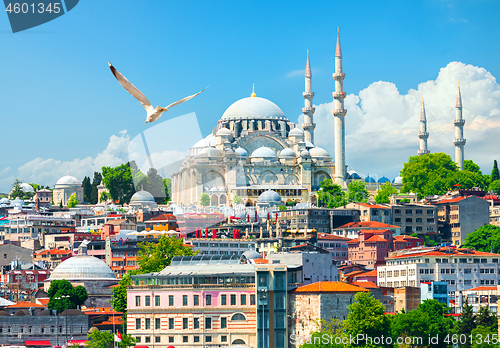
(336, 245)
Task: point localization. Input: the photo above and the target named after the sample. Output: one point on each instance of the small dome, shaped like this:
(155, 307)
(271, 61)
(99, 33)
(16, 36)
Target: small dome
(142, 196)
(296, 132)
(68, 180)
(241, 152)
(18, 202)
(383, 180)
(251, 255)
(269, 196)
(369, 179)
(309, 145)
(43, 313)
(4, 314)
(26, 187)
(305, 153)
(353, 175)
(263, 152)
(287, 153)
(253, 108)
(20, 312)
(319, 152)
(224, 131)
(398, 180)
(209, 152)
(83, 267)
(208, 141)
(72, 312)
(4, 201)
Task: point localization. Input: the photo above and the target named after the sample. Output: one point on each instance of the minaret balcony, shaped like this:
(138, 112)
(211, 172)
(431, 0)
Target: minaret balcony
(460, 122)
(308, 126)
(308, 110)
(308, 95)
(338, 95)
(423, 152)
(459, 142)
(338, 76)
(339, 112)
(423, 135)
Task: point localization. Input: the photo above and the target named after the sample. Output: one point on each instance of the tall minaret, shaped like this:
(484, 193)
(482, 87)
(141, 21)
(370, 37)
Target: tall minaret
(308, 110)
(459, 140)
(423, 134)
(339, 116)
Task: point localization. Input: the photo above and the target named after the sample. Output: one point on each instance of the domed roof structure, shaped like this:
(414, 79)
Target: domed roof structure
(253, 108)
(305, 153)
(224, 131)
(26, 187)
(251, 255)
(18, 202)
(263, 152)
(269, 197)
(319, 152)
(241, 152)
(398, 180)
(208, 141)
(209, 152)
(383, 180)
(68, 180)
(296, 132)
(83, 267)
(369, 179)
(142, 196)
(4, 201)
(287, 153)
(353, 175)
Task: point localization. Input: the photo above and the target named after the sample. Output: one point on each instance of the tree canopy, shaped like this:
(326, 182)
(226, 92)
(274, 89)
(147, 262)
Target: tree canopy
(485, 238)
(495, 187)
(357, 192)
(106, 339)
(73, 201)
(59, 288)
(119, 182)
(87, 189)
(384, 192)
(495, 175)
(237, 199)
(94, 197)
(331, 195)
(205, 200)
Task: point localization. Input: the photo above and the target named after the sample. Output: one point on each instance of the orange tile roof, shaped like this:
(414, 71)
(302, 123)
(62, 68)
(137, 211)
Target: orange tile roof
(111, 321)
(54, 252)
(353, 273)
(376, 206)
(163, 217)
(26, 305)
(299, 246)
(366, 285)
(327, 236)
(366, 224)
(372, 273)
(376, 238)
(260, 261)
(404, 237)
(482, 288)
(326, 286)
(456, 252)
(353, 241)
(44, 301)
(451, 200)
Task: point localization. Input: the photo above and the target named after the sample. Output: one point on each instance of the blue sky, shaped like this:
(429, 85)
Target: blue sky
(60, 101)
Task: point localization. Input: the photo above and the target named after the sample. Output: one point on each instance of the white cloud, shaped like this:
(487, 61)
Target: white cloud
(382, 123)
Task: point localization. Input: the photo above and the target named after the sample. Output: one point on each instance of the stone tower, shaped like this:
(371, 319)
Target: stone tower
(459, 140)
(308, 110)
(339, 117)
(423, 134)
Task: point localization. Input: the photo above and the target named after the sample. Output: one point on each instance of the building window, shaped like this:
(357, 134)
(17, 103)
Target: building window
(208, 339)
(137, 301)
(148, 339)
(137, 323)
(208, 300)
(60, 329)
(196, 323)
(185, 339)
(238, 317)
(170, 300)
(147, 300)
(147, 324)
(196, 339)
(52, 329)
(157, 300)
(184, 323)
(223, 338)
(243, 299)
(223, 323)
(138, 338)
(208, 323)
(223, 300)
(171, 324)
(196, 300)
(157, 339)
(157, 323)
(184, 300)
(252, 300)
(233, 300)
(170, 339)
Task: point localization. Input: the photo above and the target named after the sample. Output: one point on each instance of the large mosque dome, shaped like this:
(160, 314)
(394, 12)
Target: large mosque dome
(142, 196)
(68, 180)
(253, 107)
(83, 267)
(270, 197)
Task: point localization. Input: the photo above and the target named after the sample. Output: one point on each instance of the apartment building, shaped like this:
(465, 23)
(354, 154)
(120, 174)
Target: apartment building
(434, 291)
(335, 245)
(320, 219)
(460, 216)
(25, 227)
(372, 212)
(416, 218)
(351, 229)
(462, 269)
(482, 296)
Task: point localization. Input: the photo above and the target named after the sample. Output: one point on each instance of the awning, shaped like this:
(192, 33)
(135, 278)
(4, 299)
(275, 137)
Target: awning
(141, 347)
(37, 343)
(73, 342)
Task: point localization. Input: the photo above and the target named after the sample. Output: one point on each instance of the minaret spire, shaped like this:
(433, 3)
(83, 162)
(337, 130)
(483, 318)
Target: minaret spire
(339, 116)
(308, 126)
(423, 134)
(459, 140)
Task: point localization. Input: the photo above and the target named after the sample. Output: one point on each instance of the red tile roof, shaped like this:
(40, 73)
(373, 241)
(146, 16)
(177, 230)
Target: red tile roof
(365, 284)
(353, 241)
(366, 224)
(482, 288)
(451, 200)
(372, 273)
(376, 238)
(326, 286)
(54, 252)
(163, 217)
(327, 236)
(404, 237)
(260, 261)
(441, 252)
(116, 222)
(44, 301)
(353, 273)
(26, 305)
(376, 206)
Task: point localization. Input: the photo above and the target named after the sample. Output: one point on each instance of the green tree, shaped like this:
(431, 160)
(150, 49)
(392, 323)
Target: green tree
(36, 187)
(17, 190)
(291, 203)
(366, 316)
(73, 201)
(482, 337)
(119, 182)
(59, 288)
(495, 187)
(87, 189)
(104, 196)
(167, 186)
(119, 294)
(470, 166)
(428, 174)
(495, 175)
(466, 323)
(94, 193)
(237, 199)
(282, 207)
(106, 339)
(466, 180)
(331, 195)
(155, 185)
(357, 192)
(384, 192)
(485, 238)
(486, 318)
(205, 200)
(325, 337)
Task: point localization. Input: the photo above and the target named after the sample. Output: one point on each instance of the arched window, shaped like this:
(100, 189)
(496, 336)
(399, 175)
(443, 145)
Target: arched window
(60, 329)
(42, 330)
(30, 329)
(21, 329)
(239, 317)
(52, 329)
(1, 329)
(8, 329)
(239, 341)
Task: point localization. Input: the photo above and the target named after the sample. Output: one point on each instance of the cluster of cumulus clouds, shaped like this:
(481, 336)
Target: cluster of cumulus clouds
(381, 131)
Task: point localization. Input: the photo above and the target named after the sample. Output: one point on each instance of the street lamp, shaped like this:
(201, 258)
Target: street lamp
(65, 298)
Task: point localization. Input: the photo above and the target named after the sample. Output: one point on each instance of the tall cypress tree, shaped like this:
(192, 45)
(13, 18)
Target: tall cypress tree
(94, 198)
(495, 175)
(466, 323)
(87, 189)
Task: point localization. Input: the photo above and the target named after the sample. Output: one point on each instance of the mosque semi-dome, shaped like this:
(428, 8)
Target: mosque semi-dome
(209, 140)
(209, 152)
(319, 152)
(287, 153)
(241, 152)
(142, 196)
(296, 132)
(224, 131)
(263, 152)
(252, 108)
(83, 267)
(270, 197)
(251, 255)
(68, 180)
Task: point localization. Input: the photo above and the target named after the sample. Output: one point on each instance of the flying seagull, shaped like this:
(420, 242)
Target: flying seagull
(153, 114)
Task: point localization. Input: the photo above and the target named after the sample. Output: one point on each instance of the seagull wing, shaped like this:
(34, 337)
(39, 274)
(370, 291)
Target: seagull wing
(131, 89)
(184, 99)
